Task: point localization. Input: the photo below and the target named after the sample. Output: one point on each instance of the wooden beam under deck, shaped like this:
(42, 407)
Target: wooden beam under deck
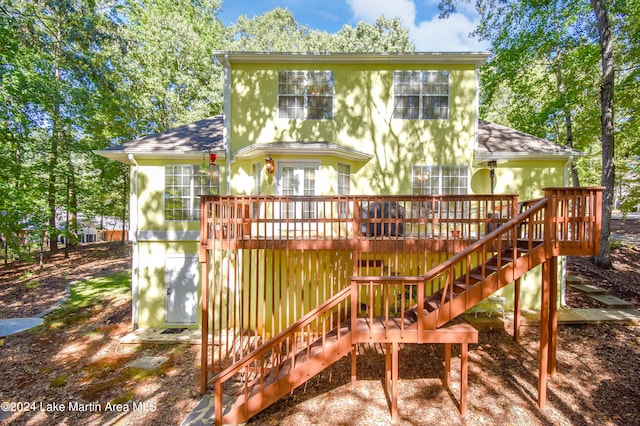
(379, 245)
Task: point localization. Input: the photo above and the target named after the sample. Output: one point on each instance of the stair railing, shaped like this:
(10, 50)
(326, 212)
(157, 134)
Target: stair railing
(385, 302)
(504, 237)
(567, 220)
(269, 358)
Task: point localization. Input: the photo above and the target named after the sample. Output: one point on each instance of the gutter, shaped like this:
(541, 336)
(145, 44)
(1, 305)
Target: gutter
(476, 110)
(133, 237)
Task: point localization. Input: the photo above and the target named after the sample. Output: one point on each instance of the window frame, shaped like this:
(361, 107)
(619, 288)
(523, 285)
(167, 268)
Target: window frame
(437, 172)
(306, 210)
(429, 90)
(295, 99)
(343, 187)
(183, 181)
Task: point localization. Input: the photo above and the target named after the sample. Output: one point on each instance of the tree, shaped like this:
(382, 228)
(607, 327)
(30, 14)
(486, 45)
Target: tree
(168, 71)
(600, 9)
(386, 35)
(538, 22)
(278, 31)
(540, 70)
(274, 31)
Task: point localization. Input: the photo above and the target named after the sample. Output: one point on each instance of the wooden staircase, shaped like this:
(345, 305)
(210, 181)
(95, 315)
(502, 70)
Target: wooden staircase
(391, 310)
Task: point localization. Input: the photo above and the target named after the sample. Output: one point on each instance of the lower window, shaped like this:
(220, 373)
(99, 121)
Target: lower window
(440, 180)
(183, 185)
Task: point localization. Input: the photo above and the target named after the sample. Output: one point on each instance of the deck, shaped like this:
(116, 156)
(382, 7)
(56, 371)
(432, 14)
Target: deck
(312, 277)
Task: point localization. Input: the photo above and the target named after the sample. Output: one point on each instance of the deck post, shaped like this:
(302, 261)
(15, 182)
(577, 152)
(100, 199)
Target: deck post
(218, 404)
(394, 378)
(553, 314)
(354, 327)
(204, 349)
(544, 336)
(516, 310)
(387, 367)
(447, 365)
(354, 351)
(464, 376)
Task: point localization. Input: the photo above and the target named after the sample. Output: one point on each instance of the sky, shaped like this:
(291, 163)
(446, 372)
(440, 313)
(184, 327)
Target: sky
(428, 32)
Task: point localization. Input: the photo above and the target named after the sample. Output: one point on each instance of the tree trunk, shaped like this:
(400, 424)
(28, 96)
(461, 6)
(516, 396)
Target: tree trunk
(568, 123)
(51, 197)
(73, 206)
(606, 118)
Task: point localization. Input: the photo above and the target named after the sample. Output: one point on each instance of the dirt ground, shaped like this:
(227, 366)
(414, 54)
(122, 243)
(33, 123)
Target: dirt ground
(72, 372)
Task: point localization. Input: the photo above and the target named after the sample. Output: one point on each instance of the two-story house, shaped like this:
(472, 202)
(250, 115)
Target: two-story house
(312, 124)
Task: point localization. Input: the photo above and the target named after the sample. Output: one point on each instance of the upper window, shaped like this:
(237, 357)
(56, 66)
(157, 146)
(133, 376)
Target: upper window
(183, 185)
(421, 95)
(440, 180)
(305, 95)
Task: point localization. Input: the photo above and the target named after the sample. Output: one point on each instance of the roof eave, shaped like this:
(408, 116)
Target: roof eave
(123, 155)
(481, 157)
(476, 58)
(301, 149)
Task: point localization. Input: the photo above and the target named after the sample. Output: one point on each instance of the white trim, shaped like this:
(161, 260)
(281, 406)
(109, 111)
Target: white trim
(519, 156)
(476, 58)
(133, 237)
(180, 155)
(297, 164)
(226, 137)
(305, 149)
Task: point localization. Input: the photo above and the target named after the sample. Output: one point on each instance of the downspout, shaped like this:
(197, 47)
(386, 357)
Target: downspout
(563, 261)
(227, 119)
(133, 237)
(476, 111)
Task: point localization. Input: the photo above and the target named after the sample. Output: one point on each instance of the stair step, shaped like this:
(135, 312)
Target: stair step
(431, 305)
(477, 276)
(459, 287)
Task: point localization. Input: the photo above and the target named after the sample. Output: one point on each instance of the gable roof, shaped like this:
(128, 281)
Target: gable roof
(193, 139)
(496, 142)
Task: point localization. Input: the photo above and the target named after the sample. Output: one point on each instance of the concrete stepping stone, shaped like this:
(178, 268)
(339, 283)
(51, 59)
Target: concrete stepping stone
(610, 301)
(588, 289)
(590, 316)
(609, 316)
(148, 363)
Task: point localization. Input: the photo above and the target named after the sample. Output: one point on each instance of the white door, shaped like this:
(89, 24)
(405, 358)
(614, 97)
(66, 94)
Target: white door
(297, 179)
(181, 282)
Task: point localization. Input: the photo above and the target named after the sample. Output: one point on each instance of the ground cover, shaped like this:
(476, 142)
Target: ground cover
(73, 370)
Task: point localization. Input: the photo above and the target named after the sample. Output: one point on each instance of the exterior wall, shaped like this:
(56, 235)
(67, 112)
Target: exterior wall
(362, 120)
(151, 285)
(155, 238)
